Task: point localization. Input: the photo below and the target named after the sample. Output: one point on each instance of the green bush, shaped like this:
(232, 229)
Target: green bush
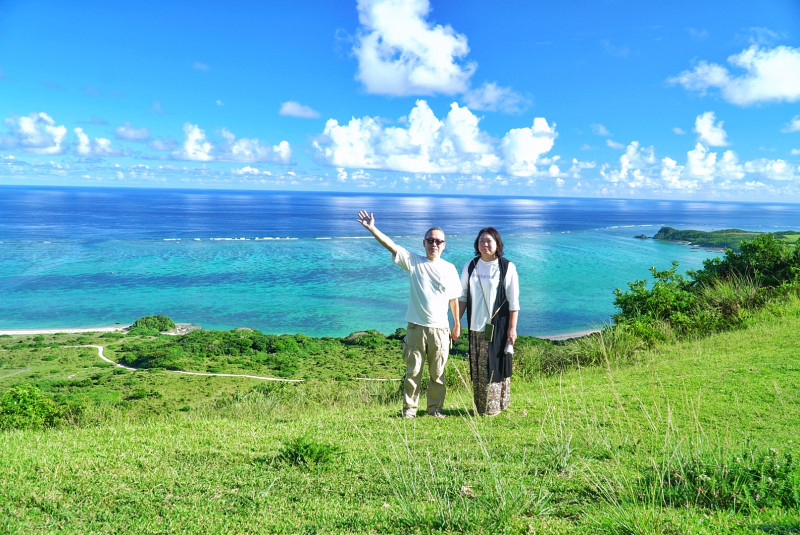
(25, 407)
(670, 299)
(715, 298)
(152, 323)
(765, 261)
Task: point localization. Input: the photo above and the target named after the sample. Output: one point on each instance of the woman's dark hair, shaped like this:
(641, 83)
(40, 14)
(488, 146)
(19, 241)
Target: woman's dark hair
(491, 231)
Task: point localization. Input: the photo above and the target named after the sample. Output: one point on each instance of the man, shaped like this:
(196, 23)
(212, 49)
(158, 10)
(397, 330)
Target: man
(434, 285)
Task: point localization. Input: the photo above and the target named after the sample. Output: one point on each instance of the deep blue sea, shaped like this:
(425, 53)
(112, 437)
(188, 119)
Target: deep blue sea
(299, 262)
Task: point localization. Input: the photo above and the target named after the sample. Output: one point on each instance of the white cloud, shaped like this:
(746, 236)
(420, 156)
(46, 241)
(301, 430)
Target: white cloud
(672, 176)
(614, 145)
(252, 150)
(792, 126)
(524, 147)
(195, 146)
(710, 133)
(771, 75)
(197, 65)
(774, 170)
(128, 133)
(400, 53)
(247, 170)
(795, 152)
(492, 97)
(36, 133)
(295, 109)
(637, 168)
(426, 144)
(700, 163)
(600, 130)
(93, 148)
(678, 131)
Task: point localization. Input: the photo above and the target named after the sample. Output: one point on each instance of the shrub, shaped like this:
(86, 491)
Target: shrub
(371, 339)
(669, 299)
(25, 407)
(765, 260)
(152, 323)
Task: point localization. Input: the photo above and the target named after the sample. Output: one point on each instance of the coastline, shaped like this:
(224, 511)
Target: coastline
(70, 330)
(183, 328)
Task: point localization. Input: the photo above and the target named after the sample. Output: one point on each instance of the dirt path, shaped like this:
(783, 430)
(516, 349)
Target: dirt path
(100, 352)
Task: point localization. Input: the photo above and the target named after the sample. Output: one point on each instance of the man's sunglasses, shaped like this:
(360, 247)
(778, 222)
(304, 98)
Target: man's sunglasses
(431, 241)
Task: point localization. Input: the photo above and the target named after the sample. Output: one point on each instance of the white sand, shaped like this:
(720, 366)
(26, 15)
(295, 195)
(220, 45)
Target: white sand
(108, 329)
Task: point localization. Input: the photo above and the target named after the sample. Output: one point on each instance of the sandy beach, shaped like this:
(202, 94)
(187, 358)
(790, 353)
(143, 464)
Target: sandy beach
(107, 329)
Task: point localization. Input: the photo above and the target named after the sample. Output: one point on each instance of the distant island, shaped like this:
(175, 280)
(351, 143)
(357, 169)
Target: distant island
(720, 239)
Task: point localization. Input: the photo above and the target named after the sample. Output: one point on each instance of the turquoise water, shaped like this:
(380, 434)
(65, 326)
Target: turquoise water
(220, 264)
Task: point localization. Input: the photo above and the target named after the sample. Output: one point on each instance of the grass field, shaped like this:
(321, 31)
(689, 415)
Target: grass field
(695, 437)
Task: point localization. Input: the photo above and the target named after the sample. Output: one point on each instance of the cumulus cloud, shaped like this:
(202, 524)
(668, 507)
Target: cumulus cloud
(93, 148)
(770, 75)
(127, 133)
(523, 148)
(295, 109)
(492, 97)
(427, 144)
(600, 130)
(792, 126)
(37, 133)
(196, 147)
(710, 133)
(636, 168)
(252, 150)
(773, 170)
(400, 53)
(247, 170)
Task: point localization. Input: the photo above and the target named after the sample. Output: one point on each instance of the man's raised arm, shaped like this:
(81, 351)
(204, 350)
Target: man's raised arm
(367, 220)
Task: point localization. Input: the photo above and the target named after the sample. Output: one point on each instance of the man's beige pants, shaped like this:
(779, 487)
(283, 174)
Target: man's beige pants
(431, 344)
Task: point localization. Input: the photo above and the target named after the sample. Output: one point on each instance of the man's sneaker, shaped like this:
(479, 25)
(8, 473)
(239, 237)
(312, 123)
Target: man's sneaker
(408, 413)
(437, 414)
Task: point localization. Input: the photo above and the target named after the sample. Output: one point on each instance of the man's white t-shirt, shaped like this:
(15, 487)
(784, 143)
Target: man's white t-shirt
(432, 284)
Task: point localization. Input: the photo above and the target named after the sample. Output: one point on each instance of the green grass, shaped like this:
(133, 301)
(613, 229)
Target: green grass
(643, 444)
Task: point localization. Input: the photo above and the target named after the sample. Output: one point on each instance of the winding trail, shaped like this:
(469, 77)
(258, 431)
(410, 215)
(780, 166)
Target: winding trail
(100, 352)
(17, 372)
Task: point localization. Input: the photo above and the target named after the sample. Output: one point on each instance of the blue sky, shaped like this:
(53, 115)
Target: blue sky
(594, 98)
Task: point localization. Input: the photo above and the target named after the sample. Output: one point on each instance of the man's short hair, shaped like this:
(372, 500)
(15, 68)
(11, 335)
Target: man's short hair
(427, 232)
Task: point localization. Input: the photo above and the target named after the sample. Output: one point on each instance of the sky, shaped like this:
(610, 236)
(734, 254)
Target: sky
(659, 99)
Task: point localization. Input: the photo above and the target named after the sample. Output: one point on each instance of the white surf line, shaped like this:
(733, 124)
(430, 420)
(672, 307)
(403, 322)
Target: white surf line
(100, 352)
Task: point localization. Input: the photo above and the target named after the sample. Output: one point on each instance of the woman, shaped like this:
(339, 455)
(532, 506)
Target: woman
(490, 295)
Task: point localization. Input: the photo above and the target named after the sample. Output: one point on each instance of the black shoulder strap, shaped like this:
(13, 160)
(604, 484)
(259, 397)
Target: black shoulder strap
(471, 266)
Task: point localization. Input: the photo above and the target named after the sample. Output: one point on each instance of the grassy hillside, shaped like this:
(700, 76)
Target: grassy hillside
(727, 238)
(698, 436)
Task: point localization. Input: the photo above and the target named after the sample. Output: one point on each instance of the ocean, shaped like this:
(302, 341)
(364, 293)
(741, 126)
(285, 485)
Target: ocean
(299, 262)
